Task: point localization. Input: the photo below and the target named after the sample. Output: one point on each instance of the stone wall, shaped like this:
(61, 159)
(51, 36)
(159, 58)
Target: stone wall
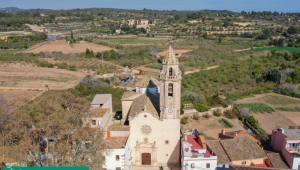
(191, 112)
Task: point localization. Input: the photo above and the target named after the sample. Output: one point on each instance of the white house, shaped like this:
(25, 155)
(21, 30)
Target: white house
(195, 155)
(118, 153)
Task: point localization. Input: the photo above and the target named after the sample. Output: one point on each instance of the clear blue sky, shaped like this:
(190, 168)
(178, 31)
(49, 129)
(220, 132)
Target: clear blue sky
(232, 5)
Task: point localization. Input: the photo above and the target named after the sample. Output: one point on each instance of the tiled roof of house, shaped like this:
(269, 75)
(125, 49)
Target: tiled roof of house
(118, 128)
(217, 148)
(277, 160)
(242, 148)
(131, 95)
(244, 167)
(100, 99)
(193, 141)
(292, 134)
(240, 133)
(97, 112)
(115, 142)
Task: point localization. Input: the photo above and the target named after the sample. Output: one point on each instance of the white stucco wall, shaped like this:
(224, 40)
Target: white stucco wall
(200, 163)
(128, 155)
(296, 163)
(168, 129)
(110, 159)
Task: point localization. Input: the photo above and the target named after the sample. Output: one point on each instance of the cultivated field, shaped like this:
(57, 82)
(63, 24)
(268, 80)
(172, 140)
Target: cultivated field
(211, 126)
(137, 41)
(64, 47)
(285, 113)
(36, 78)
(176, 52)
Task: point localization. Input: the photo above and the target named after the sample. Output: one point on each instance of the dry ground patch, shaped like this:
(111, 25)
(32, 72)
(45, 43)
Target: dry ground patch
(64, 47)
(17, 97)
(279, 118)
(25, 78)
(211, 126)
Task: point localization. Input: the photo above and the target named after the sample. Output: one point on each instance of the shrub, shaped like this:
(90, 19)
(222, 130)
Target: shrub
(292, 127)
(226, 123)
(196, 117)
(206, 115)
(62, 65)
(217, 113)
(231, 114)
(252, 121)
(183, 121)
(72, 68)
(202, 107)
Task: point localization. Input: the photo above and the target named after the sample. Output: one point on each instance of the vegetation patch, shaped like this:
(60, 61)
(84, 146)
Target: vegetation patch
(155, 66)
(281, 100)
(257, 107)
(289, 49)
(296, 109)
(225, 123)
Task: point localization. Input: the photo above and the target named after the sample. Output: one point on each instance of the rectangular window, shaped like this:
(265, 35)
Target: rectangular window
(93, 122)
(167, 141)
(118, 168)
(208, 165)
(223, 167)
(193, 165)
(117, 157)
(244, 162)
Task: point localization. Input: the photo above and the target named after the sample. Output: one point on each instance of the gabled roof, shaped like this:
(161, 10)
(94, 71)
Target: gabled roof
(115, 142)
(277, 160)
(292, 134)
(100, 99)
(217, 148)
(244, 167)
(240, 133)
(242, 148)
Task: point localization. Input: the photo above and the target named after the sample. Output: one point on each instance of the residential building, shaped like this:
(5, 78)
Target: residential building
(143, 22)
(195, 154)
(130, 22)
(238, 151)
(287, 141)
(118, 153)
(243, 167)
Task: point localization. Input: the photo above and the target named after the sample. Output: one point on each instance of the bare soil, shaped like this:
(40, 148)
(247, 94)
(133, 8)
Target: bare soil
(64, 47)
(17, 97)
(211, 127)
(32, 78)
(270, 121)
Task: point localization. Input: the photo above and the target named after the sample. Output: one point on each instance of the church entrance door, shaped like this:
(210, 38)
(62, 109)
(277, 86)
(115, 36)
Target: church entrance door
(146, 158)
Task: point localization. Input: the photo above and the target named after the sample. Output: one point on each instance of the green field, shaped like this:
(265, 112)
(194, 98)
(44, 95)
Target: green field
(280, 100)
(136, 40)
(289, 49)
(257, 107)
(155, 66)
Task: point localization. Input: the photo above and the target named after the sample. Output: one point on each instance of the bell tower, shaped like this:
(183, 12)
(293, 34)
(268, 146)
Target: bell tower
(170, 87)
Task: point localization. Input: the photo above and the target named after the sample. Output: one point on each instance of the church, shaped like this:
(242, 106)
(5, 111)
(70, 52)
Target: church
(147, 133)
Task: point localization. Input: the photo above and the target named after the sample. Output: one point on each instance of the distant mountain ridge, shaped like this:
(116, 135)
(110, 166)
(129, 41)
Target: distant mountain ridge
(19, 9)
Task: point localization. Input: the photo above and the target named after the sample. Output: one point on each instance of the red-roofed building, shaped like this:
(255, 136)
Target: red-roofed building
(195, 154)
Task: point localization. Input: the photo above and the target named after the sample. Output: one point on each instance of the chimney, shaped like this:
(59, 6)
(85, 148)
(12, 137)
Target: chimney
(223, 131)
(185, 136)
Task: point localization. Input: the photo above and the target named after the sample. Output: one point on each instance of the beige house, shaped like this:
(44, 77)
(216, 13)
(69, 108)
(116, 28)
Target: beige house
(130, 22)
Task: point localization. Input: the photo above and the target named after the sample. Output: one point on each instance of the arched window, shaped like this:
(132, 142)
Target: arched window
(170, 72)
(170, 91)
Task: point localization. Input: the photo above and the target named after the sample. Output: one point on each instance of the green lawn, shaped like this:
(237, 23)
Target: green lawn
(257, 107)
(136, 40)
(289, 49)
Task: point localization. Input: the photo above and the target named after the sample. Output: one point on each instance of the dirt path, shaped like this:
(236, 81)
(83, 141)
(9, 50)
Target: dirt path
(197, 70)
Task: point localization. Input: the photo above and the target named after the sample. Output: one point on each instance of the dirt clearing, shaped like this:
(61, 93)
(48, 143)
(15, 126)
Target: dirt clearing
(64, 47)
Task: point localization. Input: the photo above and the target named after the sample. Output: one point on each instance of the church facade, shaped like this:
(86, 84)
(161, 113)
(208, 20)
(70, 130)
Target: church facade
(155, 137)
(153, 121)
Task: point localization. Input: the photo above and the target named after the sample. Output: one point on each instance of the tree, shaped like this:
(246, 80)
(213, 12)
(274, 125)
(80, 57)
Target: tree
(72, 37)
(51, 133)
(220, 39)
(293, 30)
(205, 36)
(296, 76)
(280, 42)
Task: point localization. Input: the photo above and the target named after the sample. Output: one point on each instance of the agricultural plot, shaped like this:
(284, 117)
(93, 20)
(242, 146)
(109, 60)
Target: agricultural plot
(64, 47)
(288, 49)
(257, 107)
(284, 110)
(137, 40)
(155, 66)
